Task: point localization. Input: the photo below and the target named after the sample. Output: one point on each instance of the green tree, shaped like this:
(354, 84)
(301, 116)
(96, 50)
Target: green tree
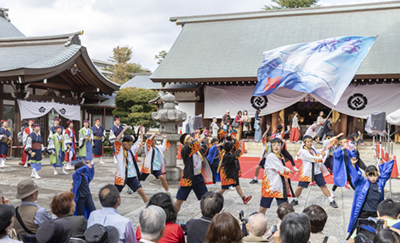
(282, 4)
(161, 55)
(133, 107)
(122, 69)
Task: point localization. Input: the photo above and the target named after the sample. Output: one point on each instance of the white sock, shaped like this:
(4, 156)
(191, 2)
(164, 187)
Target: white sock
(296, 199)
(115, 159)
(330, 199)
(166, 191)
(69, 165)
(2, 162)
(55, 171)
(101, 159)
(255, 178)
(62, 170)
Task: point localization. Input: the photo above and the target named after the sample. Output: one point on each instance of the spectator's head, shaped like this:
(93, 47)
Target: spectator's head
(372, 173)
(239, 113)
(211, 203)
(227, 112)
(109, 196)
(308, 141)
(186, 139)
(317, 216)
(98, 233)
(387, 236)
(59, 230)
(257, 225)
(7, 213)
(127, 142)
(284, 209)
(276, 145)
(78, 165)
(27, 190)
(224, 228)
(214, 119)
(70, 124)
(162, 200)
(245, 113)
(295, 228)
(152, 223)
(343, 142)
(321, 113)
(389, 208)
(63, 204)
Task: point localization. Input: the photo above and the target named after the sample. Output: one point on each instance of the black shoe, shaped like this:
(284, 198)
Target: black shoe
(253, 181)
(333, 204)
(294, 203)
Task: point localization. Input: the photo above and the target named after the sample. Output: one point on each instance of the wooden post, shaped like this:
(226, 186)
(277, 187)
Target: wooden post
(343, 124)
(274, 121)
(104, 117)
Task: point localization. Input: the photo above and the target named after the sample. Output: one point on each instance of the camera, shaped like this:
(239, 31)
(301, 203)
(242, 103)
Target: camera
(367, 228)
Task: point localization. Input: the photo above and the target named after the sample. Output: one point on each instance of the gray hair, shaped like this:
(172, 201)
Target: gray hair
(152, 221)
(258, 223)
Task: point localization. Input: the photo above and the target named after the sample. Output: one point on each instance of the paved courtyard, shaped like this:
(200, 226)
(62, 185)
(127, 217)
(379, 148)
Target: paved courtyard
(132, 204)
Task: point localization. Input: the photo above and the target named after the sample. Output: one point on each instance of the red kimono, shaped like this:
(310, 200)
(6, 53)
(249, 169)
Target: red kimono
(71, 134)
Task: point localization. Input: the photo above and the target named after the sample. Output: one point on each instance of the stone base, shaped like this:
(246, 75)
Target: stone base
(173, 173)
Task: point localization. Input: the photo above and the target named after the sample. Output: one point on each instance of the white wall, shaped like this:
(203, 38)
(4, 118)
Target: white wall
(189, 108)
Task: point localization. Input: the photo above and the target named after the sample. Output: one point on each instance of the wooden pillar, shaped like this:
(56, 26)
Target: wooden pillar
(343, 124)
(274, 121)
(104, 117)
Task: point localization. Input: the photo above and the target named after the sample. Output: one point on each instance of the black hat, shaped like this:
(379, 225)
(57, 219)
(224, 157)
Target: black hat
(6, 213)
(98, 233)
(183, 137)
(228, 146)
(59, 230)
(127, 138)
(214, 140)
(279, 127)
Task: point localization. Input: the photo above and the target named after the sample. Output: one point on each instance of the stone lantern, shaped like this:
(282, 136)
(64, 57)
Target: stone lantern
(168, 117)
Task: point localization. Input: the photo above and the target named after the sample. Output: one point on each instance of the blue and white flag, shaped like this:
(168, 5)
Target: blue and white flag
(324, 68)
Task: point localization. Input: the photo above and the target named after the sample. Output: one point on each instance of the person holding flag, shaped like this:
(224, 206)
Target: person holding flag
(35, 149)
(86, 143)
(26, 132)
(57, 148)
(114, 132)
(5, 143)
(99, 136)
(70, 139)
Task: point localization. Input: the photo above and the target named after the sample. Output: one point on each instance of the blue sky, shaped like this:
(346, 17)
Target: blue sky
(141, 24)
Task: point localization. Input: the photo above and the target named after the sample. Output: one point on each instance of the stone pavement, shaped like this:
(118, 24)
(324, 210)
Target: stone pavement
(132, 204)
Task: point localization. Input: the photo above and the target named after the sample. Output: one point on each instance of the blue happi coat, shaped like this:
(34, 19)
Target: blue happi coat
(213, 157)
(99, 138)
(340, 165)
(4, 135)
(77, 178)
(362, 184)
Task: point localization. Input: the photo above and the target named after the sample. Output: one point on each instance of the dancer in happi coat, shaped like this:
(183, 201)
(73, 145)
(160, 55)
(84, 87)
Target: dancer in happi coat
(57, 148)
(5, 143)
(127, 168)
(229, 169)
(313, 169)
(154, 162)
(266, 139)
(99, 136)
(86, 143)
(69, 135)
(276, 182)
(213, 156)
(197, 171)
(25, 134)
(114, 132)
(281, 134)
(57, 121)
(35, 149)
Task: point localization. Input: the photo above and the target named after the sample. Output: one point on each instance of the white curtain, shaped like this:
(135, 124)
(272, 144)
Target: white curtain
(34, 109)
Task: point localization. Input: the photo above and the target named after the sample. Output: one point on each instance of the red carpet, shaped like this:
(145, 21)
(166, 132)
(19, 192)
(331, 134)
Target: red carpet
(249, 164)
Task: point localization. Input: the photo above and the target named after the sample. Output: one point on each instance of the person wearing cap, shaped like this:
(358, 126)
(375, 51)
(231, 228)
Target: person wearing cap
(115, 131)
(99, 136)
(86, 143)
(108, 215)
(313, 169)
(27, 130)
(98, 233)
(7, 213)
(127, 169)
(57, 148)
(197, 171)
(70, 140)
(5, 143)
(154, 162)
(276, 181)
(35, 149)
(29, 215)
(229, 169)
(59, 230)
(213, 156)
(53, 129)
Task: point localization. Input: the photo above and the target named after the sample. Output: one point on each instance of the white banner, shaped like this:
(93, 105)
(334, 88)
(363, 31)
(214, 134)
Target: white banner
(34, 109)
(218, 99)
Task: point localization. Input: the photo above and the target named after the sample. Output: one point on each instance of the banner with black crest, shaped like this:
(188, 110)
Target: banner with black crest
(34, 109)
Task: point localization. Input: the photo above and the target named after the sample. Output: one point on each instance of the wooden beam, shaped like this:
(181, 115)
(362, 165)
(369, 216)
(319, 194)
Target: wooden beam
(58, 86)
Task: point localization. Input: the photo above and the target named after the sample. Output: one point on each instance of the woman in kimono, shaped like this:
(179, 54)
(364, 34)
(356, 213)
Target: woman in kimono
(69, 135)
(154, 162)
(257, 127)
(35, 149)
(53, 128)
(229, 169)
(5, 142)
(320, 126)
(86, 143)
(57, 148)
(276, 182)
(99, 135)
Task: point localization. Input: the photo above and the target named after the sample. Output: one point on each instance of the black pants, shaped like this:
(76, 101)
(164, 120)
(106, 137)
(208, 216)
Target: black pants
(85, 201)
